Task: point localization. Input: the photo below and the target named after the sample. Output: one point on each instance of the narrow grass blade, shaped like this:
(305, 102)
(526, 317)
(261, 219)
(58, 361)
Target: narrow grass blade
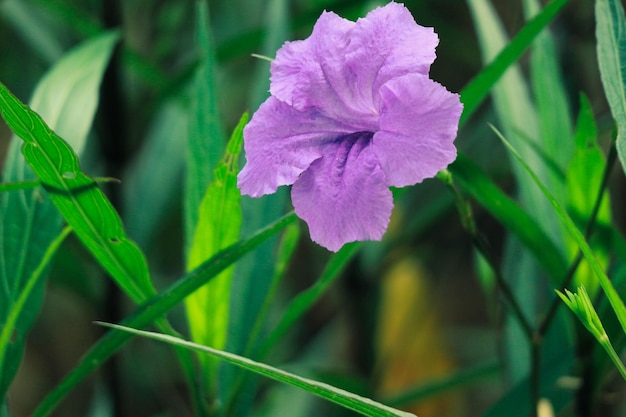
(611, 48)
(460, 379)
(478, 89)
(362, 405)
(553, 112)
(155, 308)
(475, 182)
(518, 117)
(219, 224)
(81, 202)
(616, 302)
(305, 300)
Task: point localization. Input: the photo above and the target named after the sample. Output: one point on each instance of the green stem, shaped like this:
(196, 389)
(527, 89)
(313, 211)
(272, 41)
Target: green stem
(467, 221)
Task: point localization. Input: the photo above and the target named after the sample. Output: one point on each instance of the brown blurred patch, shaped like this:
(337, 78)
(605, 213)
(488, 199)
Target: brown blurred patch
(410, 347)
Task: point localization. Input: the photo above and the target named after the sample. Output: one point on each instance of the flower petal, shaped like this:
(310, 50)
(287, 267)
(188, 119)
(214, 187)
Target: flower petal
(341, 66)
(343, 196)
(280, 143)
(387, 44)
(418, 125)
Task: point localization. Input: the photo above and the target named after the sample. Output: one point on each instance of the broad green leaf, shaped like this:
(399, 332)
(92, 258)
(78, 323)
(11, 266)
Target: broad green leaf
(156, 307)
(205, 143)
(79, 199)
(152, 182)
(616, 302)
(362, 405)
(584, 179)
(611, 49)
(29, 222)
(219, 223)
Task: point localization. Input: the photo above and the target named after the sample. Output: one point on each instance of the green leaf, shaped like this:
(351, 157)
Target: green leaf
(152, 182)
(518, 117)
(475, 92)
(555, 121)
(155, 308)
(79, 199)
(475, 182)
(611, 49)
(305, 300)
(29, 222)
(616, 302)
(205, 144)
(219, 224)
(362, 405)
(584, 176)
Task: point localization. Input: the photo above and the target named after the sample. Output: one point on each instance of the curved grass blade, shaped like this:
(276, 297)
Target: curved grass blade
(362, 405)
(155, 308)
(611, 48)
(477, 90)
(81, 202)
(616, 302)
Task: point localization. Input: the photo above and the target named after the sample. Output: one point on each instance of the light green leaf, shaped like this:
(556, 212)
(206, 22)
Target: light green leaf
(219, 223)
(584, 178)
(611, 48)
(66, 97)
(362, 405)
(78, 198)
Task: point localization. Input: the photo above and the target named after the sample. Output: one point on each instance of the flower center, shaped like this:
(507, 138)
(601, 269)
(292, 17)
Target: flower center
(348, 150)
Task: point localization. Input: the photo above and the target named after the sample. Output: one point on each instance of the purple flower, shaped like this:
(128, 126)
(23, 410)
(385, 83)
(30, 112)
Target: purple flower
(352, 112)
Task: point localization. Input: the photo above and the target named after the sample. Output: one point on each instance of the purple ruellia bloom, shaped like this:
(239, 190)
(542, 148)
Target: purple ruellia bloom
(352, 112)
